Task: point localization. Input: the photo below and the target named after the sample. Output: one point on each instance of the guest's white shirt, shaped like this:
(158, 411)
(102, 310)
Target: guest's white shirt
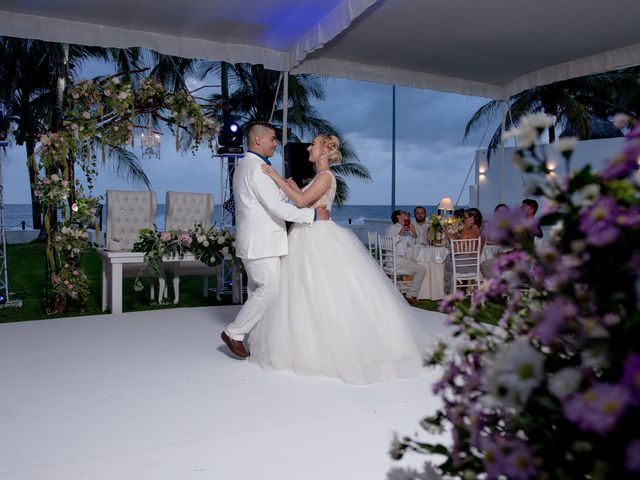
(422, 230)
(402, 240)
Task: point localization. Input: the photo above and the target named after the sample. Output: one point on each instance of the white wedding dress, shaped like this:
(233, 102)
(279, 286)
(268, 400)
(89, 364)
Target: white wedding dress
(337, 314)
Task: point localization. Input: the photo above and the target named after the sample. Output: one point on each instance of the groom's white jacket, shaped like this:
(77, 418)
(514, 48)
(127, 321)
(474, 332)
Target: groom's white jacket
(261, 211)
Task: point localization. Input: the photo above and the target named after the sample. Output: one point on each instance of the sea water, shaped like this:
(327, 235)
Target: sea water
(15, 214)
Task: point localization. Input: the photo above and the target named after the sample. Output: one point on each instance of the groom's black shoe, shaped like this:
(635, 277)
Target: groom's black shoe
(236, 347)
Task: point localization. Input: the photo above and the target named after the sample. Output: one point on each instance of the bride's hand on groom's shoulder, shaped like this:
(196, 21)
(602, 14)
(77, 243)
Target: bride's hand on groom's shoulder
(268, 169)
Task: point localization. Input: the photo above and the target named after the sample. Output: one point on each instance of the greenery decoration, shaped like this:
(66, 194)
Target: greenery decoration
(208, 245)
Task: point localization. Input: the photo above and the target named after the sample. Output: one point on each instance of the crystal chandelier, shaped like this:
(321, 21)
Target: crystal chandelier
(150, 142)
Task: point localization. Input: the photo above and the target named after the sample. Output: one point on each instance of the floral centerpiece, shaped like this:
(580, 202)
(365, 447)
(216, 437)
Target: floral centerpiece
(554, 391)
(453, 225)
(439, 224)
(436, 229)
(208, 245)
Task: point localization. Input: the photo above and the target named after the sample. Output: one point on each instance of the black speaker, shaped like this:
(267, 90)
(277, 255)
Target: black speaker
(297, 164)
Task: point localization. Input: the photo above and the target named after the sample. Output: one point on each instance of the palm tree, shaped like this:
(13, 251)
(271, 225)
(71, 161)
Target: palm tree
(582, 106)
(33, 79)
(254, 91)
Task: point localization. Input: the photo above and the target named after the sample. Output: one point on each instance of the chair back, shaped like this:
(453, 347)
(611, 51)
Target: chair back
(372, 237)
(388, 262)
(465, 255)
(127, 213)
(184, 210)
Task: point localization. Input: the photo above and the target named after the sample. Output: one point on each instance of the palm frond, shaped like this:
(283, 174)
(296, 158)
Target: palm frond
(128, 167)
(352, 170)
(342, 192)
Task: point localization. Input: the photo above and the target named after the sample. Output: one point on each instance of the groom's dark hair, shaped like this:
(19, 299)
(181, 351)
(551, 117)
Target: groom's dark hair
(394, 215)
(257, 123)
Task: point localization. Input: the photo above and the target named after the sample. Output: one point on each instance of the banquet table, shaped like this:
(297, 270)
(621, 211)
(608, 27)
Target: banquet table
(490, 251)
(433, 259)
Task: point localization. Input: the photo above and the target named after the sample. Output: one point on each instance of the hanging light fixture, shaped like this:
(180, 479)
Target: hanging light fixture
(150, 141)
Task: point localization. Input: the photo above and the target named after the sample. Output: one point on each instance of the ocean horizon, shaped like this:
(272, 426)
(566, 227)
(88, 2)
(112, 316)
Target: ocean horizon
(17, 213)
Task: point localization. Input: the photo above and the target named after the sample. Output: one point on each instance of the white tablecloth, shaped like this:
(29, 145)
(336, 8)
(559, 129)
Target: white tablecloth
(490, 251)
(427, 253)
(432, 258)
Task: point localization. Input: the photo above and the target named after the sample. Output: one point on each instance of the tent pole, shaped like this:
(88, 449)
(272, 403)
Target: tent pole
(393, 149)
(505, 109)
(285, 114)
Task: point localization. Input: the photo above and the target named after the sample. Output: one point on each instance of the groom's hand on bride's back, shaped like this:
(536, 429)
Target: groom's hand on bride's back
(322, 213)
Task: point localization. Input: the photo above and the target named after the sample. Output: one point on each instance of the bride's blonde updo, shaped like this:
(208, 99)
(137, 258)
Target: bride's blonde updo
(332, 144)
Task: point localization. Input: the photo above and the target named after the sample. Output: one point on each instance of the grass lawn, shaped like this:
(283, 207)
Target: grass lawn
(26, 263)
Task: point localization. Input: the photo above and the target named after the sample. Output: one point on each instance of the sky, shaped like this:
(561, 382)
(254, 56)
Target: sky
(432, 160)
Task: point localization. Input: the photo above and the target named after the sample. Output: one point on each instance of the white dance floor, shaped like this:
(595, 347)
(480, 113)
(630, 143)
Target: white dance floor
(154, 395)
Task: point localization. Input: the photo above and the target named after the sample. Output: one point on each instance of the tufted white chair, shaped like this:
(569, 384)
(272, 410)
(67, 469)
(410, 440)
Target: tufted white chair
(183, 211)
(127, 213)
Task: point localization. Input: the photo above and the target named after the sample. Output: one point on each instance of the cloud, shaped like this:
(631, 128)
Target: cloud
(431, 158)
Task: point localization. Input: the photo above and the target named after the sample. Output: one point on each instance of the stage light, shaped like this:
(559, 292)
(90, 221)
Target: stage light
(230, 139)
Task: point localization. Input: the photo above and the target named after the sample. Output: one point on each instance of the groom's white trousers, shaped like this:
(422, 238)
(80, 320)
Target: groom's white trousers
(262, 290)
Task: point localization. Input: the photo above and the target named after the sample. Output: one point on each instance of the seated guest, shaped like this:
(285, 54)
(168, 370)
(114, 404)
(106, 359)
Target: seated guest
(530, 208)
(500, 208)
(404, 235)
(421, 225)
(459, 213)
(472, 226)
(472, 229)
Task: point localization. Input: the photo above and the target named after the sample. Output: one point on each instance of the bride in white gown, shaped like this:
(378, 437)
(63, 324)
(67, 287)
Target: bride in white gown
(337, 314)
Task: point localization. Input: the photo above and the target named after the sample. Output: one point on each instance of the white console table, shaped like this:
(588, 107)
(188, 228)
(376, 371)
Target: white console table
(112, 265)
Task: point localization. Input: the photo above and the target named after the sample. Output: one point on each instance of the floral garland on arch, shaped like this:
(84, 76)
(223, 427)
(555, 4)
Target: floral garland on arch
(554, 391)
(99, 118)
(208, 245)
(68, 242)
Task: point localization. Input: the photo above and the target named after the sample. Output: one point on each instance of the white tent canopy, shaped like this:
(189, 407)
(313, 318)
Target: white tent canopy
(490, 48)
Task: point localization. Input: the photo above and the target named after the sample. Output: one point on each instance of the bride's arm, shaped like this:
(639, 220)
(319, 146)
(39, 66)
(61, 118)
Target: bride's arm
(297, 196)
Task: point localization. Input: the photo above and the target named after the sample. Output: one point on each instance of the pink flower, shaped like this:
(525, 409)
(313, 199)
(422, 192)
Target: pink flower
(185, 239)
(165, 236)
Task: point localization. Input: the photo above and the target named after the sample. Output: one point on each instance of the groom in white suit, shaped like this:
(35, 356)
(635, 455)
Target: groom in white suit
(261, 236)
